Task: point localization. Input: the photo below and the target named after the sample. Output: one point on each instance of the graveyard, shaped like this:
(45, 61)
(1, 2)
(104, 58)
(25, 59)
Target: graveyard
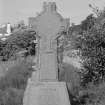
(50, 62)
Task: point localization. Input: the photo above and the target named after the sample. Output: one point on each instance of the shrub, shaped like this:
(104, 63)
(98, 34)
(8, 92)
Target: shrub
(92, 94)
(91, 45)
(96, 94)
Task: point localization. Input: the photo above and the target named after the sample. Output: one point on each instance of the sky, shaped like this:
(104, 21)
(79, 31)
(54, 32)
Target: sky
(13, 11)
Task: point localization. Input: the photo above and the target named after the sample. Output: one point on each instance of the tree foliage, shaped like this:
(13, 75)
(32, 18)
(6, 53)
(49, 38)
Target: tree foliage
(20, 40)
(88, 23)
(91, 44)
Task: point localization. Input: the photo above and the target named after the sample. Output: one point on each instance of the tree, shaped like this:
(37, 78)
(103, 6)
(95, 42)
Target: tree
(88, 22)
(20, 40)
(92, 47)
(91, 44)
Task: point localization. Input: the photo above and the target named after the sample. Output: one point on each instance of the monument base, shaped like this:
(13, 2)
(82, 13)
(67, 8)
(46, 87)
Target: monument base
(46, 93)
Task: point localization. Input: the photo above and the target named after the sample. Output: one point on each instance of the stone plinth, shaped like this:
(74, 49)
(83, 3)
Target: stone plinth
(47, 93)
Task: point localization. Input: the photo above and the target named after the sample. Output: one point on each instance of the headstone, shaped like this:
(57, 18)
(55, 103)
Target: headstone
(45, 88)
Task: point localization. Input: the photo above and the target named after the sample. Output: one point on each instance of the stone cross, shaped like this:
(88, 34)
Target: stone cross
(48, 24)
(44, 88)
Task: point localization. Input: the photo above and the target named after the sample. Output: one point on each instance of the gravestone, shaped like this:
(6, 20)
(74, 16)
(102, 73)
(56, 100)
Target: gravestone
(44, 88)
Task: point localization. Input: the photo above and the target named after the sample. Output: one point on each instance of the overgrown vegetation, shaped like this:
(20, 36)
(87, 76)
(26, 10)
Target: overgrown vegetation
(91, 44)
(13, 84)
(90, 41)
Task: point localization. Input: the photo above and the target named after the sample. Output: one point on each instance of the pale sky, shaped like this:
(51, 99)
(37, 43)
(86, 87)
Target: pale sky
(15, 10)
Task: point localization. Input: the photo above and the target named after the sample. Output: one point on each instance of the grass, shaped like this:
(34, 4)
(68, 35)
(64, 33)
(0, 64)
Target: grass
(13, 84)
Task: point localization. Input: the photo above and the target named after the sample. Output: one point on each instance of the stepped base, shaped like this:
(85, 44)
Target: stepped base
(46, 93)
